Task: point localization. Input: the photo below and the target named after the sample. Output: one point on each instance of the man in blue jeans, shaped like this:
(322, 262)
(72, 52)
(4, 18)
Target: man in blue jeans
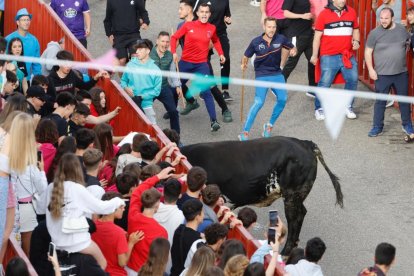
(387, 44)
(336, 37)
(268, 48)
(164, 60)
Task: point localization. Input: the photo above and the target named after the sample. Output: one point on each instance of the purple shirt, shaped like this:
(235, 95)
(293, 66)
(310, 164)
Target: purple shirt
(71, 13)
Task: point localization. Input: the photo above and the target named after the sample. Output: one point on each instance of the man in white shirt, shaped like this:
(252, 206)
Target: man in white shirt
(168, 214)
(314, 250)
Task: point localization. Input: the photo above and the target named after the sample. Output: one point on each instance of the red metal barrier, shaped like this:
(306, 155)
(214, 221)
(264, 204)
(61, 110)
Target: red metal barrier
(13, 250)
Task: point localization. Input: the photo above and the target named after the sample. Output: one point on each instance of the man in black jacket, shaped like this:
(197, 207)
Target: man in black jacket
(122, 23)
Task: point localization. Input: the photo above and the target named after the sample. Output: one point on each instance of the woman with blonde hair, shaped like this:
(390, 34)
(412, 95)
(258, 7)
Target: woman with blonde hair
(69, 203)
(236, 265)
(203, 259)
(7, 196)
(157, 258)
(27, 176)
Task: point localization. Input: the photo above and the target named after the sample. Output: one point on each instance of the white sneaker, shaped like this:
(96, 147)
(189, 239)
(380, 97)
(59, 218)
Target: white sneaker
(350, 114)
(319, 114)
(255, 3)
(389, 103)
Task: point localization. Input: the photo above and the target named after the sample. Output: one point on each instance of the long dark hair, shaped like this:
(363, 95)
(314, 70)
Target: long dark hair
(96, 100)
(68, 145)
(9, 49)
(104, 134)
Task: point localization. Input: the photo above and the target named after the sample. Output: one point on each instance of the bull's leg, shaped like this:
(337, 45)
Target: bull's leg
(295, 213)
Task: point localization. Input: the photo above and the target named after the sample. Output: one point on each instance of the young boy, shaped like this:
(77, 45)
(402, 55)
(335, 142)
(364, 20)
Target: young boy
(126, 184)
(143, 88)
(92, 159)
(78, 119)
(66, 104)
(116, 249)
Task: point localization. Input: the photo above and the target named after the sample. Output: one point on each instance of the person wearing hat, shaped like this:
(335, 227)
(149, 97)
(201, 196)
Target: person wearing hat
(143, 88)
(31, 46)
(36, 97)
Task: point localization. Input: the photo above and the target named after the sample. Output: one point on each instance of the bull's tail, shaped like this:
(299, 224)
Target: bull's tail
(334, 178)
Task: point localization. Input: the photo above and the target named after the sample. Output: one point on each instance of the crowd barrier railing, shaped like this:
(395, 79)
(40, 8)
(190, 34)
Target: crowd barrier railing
(46, 26)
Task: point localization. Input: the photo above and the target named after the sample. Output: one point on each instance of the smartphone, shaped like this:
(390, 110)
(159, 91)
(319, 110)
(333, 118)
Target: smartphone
(271, 235)
(39, 155)
(52, 247)
(273, 220)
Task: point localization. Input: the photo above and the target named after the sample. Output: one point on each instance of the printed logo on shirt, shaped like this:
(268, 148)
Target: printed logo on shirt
(191, 31)
(77, 4)
(262, 46)
(70, 13)
(132, 2)
(209, 34)
(62, 5)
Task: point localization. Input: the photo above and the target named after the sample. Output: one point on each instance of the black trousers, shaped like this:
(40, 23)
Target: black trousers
(225, 68)
(304, 45)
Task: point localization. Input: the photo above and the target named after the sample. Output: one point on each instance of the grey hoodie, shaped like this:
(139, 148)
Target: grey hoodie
(52, 49)
(304, 268)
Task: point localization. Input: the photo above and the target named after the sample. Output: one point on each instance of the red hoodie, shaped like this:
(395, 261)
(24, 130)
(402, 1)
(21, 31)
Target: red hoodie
(138, 222)
(197, 41)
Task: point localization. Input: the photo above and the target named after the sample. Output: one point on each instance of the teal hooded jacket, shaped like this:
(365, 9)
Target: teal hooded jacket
(147, 87)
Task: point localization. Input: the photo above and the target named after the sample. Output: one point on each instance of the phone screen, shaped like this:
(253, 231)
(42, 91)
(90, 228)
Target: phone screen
(51, 248)
(271, 235)
(273, 218)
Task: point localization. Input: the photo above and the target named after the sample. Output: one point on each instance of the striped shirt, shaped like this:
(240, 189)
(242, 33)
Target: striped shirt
(337, 30)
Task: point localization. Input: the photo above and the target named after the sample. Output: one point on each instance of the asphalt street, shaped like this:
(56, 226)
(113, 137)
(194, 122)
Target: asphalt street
(376, 173)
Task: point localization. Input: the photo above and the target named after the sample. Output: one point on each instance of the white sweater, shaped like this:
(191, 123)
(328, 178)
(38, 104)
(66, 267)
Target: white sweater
(78, 202)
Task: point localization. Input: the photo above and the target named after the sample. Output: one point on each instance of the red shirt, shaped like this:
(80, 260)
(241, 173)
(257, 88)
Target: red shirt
(337, 30)
(95, 113)
(138, 222)
(197, 41)
(112, 241)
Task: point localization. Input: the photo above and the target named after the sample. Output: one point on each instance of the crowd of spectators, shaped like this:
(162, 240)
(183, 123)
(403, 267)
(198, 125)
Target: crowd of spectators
(118, 209)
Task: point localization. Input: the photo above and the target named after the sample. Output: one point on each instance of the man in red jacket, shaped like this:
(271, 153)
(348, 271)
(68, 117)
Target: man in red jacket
(198, 35)
(148, 198)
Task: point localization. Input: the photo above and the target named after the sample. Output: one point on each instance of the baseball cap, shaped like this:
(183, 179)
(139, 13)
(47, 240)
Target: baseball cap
(22, 12)
(36, 91)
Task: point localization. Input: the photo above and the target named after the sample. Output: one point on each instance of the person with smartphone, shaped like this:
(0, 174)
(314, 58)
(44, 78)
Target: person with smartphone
(276, 234)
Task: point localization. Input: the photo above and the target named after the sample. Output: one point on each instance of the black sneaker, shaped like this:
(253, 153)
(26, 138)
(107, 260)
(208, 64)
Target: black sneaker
(215, 126)
(227, 97)
(166, 116)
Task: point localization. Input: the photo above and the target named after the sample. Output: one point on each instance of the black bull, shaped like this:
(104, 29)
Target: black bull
(260, 171)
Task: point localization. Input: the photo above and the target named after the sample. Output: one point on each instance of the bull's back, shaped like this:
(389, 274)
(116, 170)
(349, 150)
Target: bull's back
(241, 168)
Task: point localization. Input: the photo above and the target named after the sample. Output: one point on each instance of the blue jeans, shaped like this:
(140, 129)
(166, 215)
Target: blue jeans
(167, 98)
(330, 66)
(4, 192)
(382, 86)
(260, 98)
(201, 68)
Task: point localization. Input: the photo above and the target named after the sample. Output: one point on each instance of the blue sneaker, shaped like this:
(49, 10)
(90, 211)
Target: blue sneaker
(267, 128)
(244, 136)
(375, 131)
(408, 129)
